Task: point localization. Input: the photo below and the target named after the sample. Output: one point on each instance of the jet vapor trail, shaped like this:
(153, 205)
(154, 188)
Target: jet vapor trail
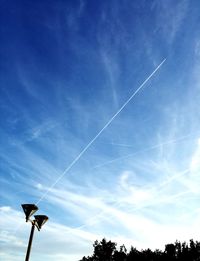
(182, 138)
(99, 133)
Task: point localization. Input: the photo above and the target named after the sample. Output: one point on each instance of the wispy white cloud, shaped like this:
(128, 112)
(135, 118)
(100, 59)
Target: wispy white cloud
(197, 48)
(170, 16)
(113, 71)
(73, 16)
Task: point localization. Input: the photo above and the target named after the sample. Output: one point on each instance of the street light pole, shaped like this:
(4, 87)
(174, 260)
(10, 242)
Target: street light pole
(30, 241)
(29, 210)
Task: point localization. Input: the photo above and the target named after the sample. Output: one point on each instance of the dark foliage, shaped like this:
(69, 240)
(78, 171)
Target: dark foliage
(107, 251)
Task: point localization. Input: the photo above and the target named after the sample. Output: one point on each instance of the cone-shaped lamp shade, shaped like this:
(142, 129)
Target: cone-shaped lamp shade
(40, 220)
(29, 210)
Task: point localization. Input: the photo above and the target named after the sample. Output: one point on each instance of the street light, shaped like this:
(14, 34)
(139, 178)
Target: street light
(29, 210)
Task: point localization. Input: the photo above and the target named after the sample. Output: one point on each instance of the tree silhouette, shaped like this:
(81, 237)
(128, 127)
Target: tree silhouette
(107, 251)
(103, 251)
(120, 255)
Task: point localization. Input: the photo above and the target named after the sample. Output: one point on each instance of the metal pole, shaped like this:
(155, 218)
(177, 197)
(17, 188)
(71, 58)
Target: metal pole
(30, 241)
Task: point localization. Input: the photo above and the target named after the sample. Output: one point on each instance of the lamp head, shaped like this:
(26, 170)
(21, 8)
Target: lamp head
(40, 220)
(29, 210)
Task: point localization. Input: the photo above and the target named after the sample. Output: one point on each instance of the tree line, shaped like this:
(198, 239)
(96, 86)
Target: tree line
(107, 251)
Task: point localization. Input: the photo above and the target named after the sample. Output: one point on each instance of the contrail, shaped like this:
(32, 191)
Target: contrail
(99, 133)
(182, 138)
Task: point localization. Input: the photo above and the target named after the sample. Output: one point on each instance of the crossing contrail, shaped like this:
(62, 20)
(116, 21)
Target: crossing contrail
(99, 133)
(179, 139)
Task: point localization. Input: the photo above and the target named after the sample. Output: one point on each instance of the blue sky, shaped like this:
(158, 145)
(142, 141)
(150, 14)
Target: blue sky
(66, 68)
